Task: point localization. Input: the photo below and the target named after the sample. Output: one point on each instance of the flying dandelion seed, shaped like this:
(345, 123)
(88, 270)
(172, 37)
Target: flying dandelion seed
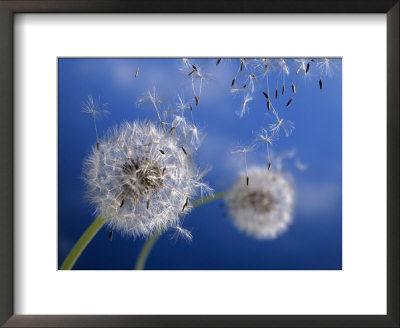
(264, 209)
(182, 233)
(286, 125)
(95, 108)
(267, 138)
(140, 180)
(326, 66)
(244, 151)
(154, 99)
(244, 107)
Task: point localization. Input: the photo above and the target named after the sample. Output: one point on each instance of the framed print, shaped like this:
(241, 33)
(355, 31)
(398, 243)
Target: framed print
(199, 164)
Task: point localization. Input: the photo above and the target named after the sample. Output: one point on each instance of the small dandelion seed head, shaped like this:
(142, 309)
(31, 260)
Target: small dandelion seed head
(264, 208)
(140, 179)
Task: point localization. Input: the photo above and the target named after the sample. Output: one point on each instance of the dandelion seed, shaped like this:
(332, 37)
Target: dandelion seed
(284, 67)
(302, 65)
(265, 137)
(153, 99)
(293, 88)
(172, 130)
(110, 235)
(137, 73)
(94, 108)
(197, 100)
(130, 170)
(264, 209)
(283, 89)
(285, 125)
(186, 204)
(233, 82)
(254, 77)
(288, 103)
(269, 105)
(320, 84)
(162, 151)
(326, 66)
(184, 150)
(244, 108)
(266, 95)
(183, 233)
(308, 67)
(276, 94)
(244, 151)
(218, 61)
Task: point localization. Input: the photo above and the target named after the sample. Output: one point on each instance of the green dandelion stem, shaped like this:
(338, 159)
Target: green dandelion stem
(144, 253)
(81, 244)
(147, 247)
(96, 225)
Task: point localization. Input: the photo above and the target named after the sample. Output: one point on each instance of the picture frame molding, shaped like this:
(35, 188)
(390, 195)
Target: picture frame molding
(9, 8)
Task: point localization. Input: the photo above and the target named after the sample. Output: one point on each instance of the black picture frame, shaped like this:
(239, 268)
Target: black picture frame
(10, 7)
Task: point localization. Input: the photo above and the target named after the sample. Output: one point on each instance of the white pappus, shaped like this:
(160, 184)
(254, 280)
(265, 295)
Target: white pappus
(264, 208)
(142, 178)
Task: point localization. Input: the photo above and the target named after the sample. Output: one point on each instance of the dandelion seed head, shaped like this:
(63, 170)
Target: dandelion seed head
(264, 208)
(140, 179)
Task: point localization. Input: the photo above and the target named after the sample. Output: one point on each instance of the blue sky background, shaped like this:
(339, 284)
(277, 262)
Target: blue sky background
(314, 239)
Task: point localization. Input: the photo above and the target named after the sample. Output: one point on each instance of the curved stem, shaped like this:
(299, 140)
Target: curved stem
(96, 225)
(147, 247)
(81, 244)
(146, 250)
